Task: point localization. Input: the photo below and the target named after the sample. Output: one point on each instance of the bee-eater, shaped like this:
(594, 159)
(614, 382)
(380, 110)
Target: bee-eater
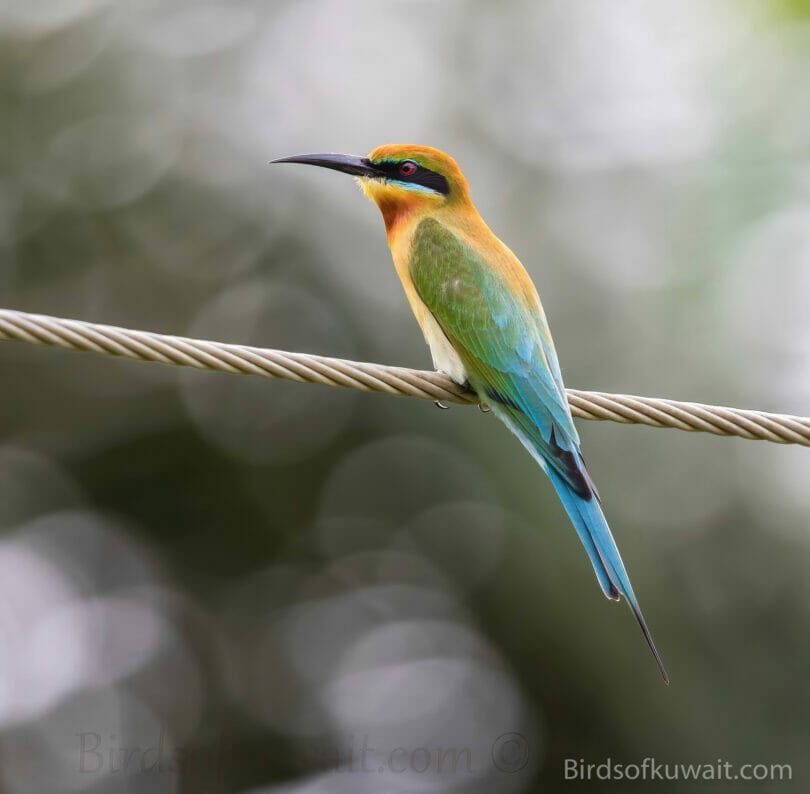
(482, 319)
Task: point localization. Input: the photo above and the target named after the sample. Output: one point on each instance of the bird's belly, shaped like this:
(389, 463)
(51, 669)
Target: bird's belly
(445, 359)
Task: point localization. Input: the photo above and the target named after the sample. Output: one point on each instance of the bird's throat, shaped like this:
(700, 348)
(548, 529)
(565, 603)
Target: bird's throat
(397, 206)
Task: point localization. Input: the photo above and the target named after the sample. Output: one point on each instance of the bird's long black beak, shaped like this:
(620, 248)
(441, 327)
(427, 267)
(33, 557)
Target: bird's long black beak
(347, 163)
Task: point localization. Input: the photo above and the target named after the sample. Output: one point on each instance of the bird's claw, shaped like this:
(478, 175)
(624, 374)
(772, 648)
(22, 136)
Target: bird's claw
(440, 404)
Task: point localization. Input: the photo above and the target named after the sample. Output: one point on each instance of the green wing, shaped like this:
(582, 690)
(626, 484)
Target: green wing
(504, 345)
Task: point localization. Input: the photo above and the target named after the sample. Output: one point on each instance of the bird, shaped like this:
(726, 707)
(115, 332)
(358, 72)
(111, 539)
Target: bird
(482, 319)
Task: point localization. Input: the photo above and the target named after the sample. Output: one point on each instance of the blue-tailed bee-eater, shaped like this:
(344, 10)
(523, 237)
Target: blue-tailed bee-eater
(482, 319)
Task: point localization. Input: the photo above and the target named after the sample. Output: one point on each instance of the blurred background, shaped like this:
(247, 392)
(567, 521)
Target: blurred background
(218, 584)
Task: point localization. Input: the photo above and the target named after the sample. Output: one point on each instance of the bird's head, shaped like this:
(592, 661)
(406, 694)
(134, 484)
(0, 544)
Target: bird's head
(400, 178)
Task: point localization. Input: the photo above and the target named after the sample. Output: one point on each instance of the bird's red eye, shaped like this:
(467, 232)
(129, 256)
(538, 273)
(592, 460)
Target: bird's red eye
(407, 168)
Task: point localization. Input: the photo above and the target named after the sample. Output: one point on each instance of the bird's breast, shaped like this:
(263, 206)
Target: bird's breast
(445, 358)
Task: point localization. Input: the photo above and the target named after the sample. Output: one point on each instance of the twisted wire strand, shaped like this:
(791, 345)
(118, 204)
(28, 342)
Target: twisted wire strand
(399, 381)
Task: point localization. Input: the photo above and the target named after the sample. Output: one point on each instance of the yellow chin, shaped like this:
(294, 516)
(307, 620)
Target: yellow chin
(369, 186)
(389, 193)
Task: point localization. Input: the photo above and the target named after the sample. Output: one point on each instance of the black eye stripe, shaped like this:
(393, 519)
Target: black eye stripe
(422, 176)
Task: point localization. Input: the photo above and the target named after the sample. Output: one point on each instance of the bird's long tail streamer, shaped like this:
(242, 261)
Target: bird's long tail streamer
(593, 530)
